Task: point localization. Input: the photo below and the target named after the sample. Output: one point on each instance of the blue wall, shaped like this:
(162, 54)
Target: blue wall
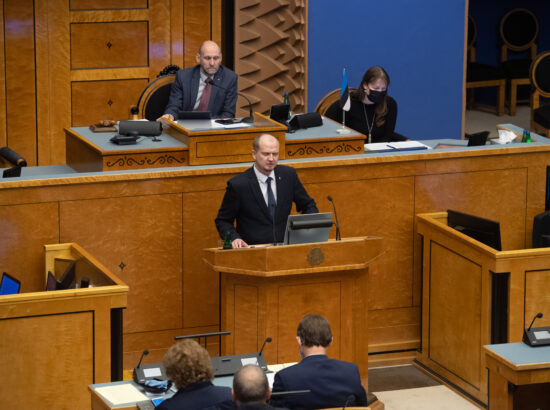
(419, 42)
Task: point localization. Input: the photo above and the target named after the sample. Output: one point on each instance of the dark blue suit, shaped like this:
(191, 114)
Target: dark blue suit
(197, 396)
(244, 202)
(331, 383)
(185, 88)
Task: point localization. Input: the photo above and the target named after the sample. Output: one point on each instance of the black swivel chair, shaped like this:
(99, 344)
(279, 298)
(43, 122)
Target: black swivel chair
(154, 97)
(519, 29)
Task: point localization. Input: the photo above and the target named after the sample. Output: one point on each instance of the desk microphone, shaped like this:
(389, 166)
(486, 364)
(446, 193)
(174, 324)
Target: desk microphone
(267, 340)
(538, 315)
(145, 353)
(250, 118)
(338, 235)
(538, 336)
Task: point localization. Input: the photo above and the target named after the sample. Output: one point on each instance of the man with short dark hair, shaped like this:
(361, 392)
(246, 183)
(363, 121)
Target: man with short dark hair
(332, 383)
(251, 389)
(208, 86)
(260, 199)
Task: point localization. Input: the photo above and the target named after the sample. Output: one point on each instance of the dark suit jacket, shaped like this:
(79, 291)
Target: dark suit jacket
(186, 87)
(197, 396)
(331, 383)
(244, 202)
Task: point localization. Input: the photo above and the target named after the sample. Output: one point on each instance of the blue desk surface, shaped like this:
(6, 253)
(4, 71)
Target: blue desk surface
(521, 355)
(64, 171)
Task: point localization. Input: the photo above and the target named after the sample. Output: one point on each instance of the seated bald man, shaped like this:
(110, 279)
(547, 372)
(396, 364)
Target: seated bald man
(208, 86)
(251, 389)
(260, 199)
(332, 383)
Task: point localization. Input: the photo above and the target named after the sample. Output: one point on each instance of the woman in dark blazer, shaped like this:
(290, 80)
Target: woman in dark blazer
(188, 365)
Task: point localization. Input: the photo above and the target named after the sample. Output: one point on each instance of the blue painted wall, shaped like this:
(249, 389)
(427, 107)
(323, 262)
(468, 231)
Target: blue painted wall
(419, 42)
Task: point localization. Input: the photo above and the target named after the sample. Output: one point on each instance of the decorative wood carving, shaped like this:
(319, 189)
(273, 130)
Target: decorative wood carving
(271, 52)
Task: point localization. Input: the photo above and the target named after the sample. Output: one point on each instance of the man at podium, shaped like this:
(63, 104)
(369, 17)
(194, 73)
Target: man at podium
(260, 207)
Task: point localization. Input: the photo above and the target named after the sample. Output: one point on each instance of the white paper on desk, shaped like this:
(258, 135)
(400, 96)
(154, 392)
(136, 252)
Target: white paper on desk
(121, 393)
(377, 146)
(237, 125)
(504, 137)
(407, 144)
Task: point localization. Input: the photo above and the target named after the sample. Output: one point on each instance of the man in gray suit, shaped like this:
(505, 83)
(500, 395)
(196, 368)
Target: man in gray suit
(208, 86)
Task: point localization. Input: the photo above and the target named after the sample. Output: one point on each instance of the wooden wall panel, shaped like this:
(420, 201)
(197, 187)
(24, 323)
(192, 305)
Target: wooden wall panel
(20, 78)
(25, 229)
(271, 52)
(196, 28)
(107, 45)
(107, 4)
(63, 345)
(455, 291)
(35, 96)
(201, 284)
(537, 298)
(131, 233)
(94, 101)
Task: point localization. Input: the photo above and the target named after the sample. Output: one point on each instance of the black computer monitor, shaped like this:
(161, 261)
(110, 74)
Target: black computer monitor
(483, 230)
(307, 228)
(541, 230)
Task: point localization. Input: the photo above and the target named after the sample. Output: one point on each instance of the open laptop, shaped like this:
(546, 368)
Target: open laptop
(307, 228)
(194, 115)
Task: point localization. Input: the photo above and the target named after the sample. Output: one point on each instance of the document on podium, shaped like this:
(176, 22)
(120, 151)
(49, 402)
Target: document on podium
(121, 393)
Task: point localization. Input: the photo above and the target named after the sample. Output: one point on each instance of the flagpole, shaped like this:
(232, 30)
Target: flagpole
(343, 130)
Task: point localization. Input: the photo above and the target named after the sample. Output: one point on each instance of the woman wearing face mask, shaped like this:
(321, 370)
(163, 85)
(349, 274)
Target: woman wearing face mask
(373, 112)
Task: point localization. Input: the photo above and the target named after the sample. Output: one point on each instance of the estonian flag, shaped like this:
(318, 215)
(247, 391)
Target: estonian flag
(345, 102)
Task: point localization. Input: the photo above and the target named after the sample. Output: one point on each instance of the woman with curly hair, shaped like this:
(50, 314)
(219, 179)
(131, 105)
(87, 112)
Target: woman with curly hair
(188, 365)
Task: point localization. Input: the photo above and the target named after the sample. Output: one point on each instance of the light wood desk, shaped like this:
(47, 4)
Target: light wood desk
(473, 295)
(519, 376)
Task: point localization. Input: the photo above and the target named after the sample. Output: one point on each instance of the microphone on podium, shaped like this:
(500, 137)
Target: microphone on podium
(338, 234)
(250, 118)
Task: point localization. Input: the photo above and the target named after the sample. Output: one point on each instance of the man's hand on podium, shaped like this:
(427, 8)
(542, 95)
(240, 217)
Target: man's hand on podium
(239, 243)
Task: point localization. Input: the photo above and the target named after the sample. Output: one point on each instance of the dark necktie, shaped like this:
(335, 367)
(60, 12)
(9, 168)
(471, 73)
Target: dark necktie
(205, 97)
(271, 204)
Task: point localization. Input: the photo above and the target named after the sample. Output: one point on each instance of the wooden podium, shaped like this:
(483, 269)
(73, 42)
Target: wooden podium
(266, 290)
(474, 295)
(54, 344)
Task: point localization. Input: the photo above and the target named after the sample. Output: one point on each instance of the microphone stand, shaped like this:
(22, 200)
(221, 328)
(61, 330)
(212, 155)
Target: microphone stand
(247, 120)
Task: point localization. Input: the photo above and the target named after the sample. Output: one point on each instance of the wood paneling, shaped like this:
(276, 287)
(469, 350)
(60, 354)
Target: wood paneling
(63, 347)
(271, 53)
(246, 318)
(107, 45)
(135, 237)
(196, 28)
(25, 229)
(20, 78)
(296, 301)
(107, 4)
(455, 292)
(94, 101)
(35, 96)
(537, 297)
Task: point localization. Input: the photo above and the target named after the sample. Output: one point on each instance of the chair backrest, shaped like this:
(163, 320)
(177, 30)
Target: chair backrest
(154, 98)
(519, 29)
(540, 74)
(328, 100)
(472, 36)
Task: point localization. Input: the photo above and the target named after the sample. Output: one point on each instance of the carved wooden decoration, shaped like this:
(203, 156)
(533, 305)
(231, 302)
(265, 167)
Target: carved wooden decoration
(270, 53)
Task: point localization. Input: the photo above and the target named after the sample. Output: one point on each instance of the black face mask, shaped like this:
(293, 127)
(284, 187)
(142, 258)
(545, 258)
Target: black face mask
(376, 96)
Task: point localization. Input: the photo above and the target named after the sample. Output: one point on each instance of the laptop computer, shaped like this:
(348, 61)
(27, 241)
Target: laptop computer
(194, 115)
